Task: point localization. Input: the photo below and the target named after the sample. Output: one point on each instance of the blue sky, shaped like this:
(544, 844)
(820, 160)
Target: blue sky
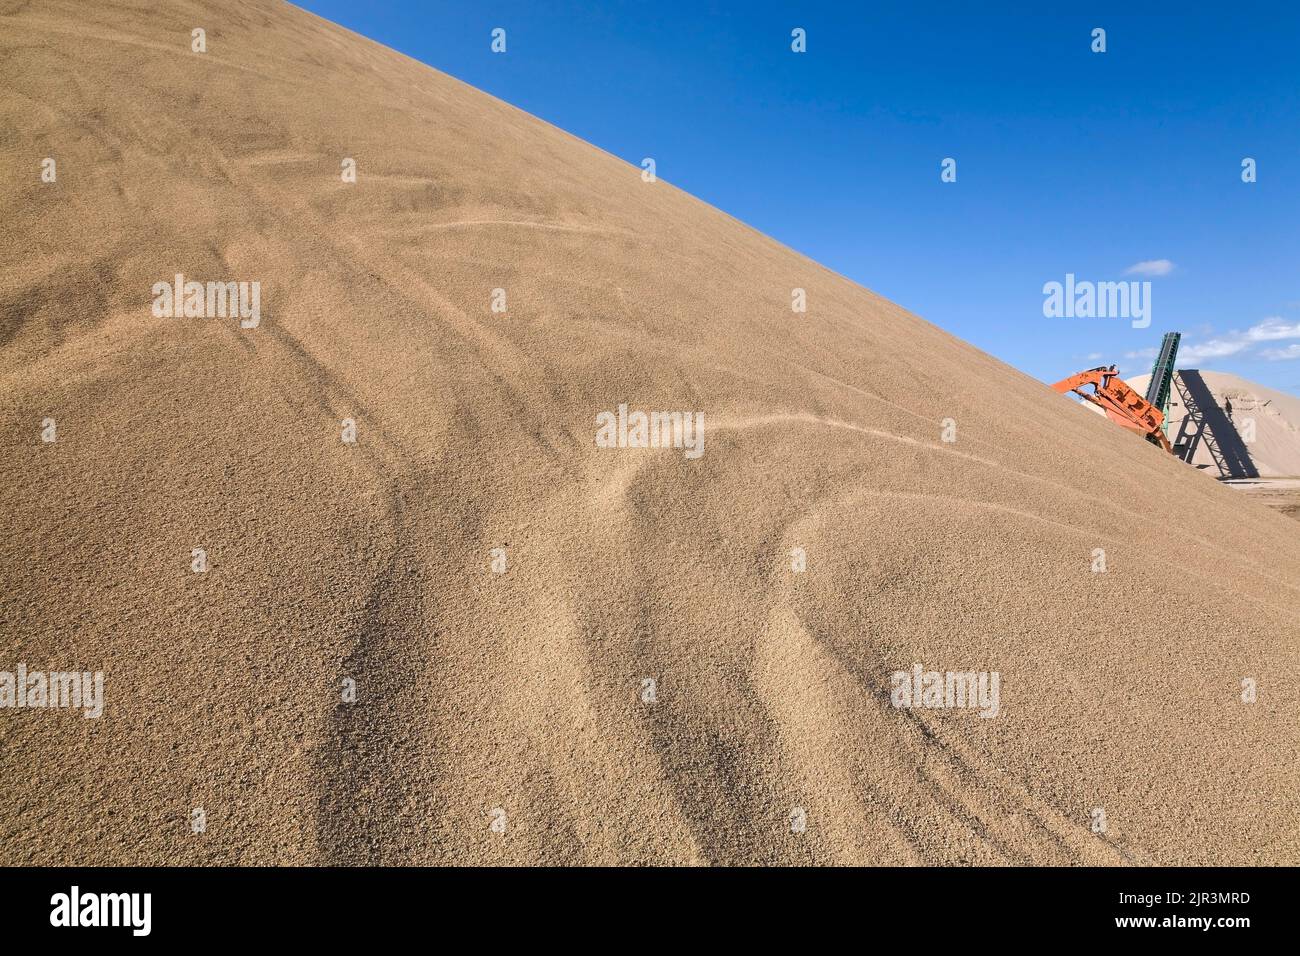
(1068, 161)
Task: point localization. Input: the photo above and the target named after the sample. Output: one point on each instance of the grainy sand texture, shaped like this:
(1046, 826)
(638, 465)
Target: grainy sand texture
(682, 659)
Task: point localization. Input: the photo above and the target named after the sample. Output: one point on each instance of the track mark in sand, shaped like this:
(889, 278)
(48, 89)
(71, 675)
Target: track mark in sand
(517, 223)
(967, 787)
(738, 423)
(523, 383)
(900, 754)
(812, 714)
(614, 485)
(974, 798)
(273, 158)
(178, 50)
(365, 809)
(598, 761)
(369, 765)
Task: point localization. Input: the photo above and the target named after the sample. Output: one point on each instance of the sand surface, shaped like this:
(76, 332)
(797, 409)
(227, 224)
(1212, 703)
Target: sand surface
(1282, 494)
(519, 699)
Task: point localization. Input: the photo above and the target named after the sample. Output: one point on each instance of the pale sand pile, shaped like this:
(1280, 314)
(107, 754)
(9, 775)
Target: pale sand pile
(523, 691)
(1274, 449)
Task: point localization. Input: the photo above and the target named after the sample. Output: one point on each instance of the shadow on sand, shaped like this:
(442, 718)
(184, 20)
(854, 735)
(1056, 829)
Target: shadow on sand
(1206, 422)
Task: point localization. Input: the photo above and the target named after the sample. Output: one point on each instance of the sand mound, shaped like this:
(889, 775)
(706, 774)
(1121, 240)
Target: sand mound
(1233, 428)
(509, 717)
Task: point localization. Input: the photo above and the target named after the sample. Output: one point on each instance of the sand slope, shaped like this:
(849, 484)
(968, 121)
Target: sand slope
(476, 430)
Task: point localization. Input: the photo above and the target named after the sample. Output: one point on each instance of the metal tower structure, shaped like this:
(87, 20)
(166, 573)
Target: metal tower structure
(1162, 376)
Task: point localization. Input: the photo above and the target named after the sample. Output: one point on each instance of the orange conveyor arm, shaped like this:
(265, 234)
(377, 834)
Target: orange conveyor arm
(1120, 402)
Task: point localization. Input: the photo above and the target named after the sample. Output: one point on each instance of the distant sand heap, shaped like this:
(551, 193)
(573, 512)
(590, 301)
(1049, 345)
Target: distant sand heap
(1232, 428)
(364, 586)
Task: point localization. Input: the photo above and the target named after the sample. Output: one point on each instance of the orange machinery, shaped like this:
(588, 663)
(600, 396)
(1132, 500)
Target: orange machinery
(1119, 401)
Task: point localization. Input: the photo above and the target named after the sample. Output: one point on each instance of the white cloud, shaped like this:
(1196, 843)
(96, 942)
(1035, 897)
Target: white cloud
(1150, 267)
(1214, 348)
(1272, 329)
(1292, 351)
